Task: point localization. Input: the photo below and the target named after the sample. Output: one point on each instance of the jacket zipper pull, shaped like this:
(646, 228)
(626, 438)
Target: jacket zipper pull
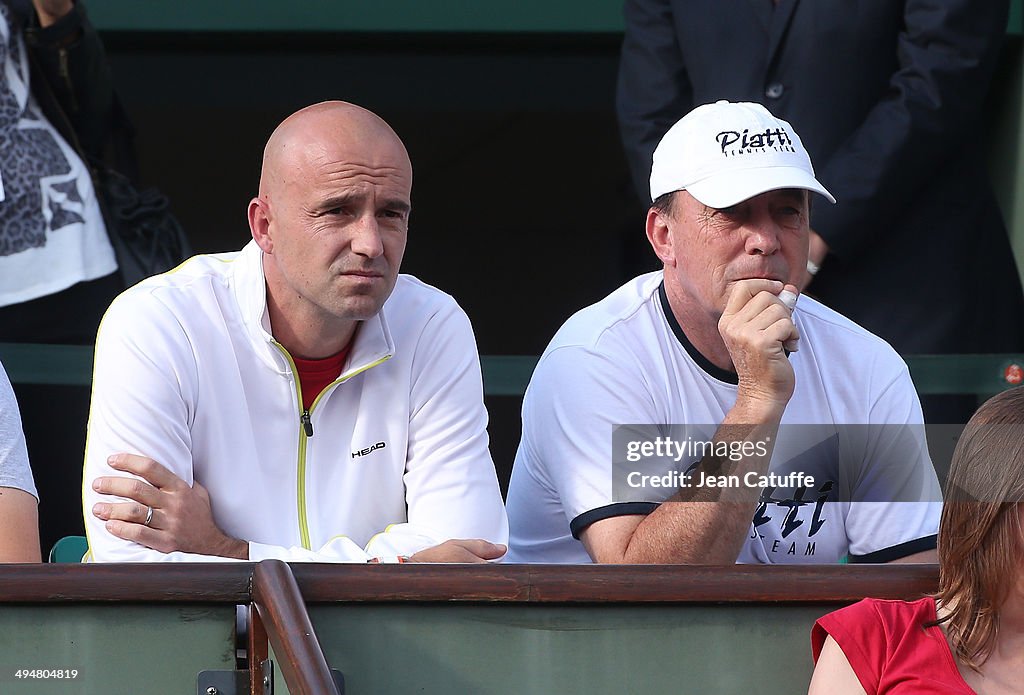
(307, 423)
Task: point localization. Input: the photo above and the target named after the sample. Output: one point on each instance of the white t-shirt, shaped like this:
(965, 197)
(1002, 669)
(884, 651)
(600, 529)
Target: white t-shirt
(51, 231)
(854, 422)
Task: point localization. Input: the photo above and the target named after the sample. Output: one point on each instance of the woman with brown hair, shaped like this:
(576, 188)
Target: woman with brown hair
(969, 636)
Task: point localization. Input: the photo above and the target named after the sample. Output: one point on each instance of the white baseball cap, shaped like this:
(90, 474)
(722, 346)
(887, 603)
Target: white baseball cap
(725, 153)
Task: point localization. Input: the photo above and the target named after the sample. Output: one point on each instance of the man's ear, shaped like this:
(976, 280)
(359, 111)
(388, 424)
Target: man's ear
(660, 236)
(259, 224)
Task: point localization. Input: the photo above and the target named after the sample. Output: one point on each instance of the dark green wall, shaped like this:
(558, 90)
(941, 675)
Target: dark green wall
(567, 16)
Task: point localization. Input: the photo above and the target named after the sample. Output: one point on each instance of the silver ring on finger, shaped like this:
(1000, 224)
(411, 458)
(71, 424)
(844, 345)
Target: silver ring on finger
(149, 516)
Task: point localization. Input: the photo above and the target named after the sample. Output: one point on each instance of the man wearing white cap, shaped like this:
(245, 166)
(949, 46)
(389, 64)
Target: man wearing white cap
(694, 415)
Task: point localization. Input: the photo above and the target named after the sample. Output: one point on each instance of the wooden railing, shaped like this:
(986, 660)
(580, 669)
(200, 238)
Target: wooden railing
(432, 619)
(598, 584)
(281, 614)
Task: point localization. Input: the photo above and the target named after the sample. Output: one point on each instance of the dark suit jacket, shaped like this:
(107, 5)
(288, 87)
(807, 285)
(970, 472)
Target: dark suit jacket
(886, 96)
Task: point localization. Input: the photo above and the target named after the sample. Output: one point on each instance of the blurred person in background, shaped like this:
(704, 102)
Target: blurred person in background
(57, 266)
(58, 272)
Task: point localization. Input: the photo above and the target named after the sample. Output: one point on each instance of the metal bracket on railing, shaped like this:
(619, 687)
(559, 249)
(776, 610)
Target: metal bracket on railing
(267, 670)
(222, 683)
(339, 680)
(237, 682)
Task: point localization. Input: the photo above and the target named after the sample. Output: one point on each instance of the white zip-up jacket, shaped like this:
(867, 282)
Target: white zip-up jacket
(187, 373)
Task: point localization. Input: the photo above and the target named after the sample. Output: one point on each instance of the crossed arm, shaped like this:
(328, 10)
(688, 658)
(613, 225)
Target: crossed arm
(164, 513)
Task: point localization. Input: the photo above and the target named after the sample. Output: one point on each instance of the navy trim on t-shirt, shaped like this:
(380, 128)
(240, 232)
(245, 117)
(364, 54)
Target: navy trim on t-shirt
(702, 361)
(577, 525)
(918, 545)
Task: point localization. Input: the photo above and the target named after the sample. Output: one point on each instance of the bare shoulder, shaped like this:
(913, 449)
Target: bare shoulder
(833, 674)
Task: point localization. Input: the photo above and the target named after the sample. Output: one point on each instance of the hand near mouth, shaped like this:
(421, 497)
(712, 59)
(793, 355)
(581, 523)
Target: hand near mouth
(758, 329)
